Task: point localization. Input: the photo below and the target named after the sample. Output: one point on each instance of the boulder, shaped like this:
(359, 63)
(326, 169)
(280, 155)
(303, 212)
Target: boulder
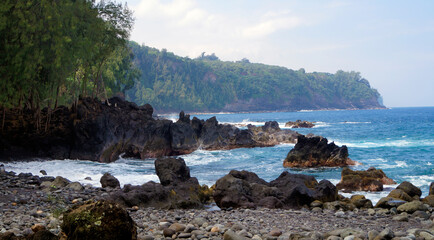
(171, 170)
(300, 124)
(360, 201)
(429, 200)
(399, 194)
(108, 180)
(98, 220)
(325, 191)
(388, 202)
(235, 190)
(317, 152)
(410, 189)
(369, 180)
(412, 207)
(59, 182)
(431, 189)
(178, 189)
(243, 189)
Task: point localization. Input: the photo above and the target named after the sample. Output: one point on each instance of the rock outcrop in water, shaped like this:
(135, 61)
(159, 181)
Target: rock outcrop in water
(369, 180)
(243, 189)
(300, 124)
(317, 152)
(96, 131)
(270, 134)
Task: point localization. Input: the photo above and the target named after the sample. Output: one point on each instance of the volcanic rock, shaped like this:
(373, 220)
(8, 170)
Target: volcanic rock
(369, 180)
(316, 152)
(243, 189)
(300, 124)
(108, 180)
(410, 189)
(98, 220)
(178, 189)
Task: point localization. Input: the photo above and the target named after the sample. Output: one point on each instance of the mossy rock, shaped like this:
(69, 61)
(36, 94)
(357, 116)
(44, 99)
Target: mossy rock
(98, 220)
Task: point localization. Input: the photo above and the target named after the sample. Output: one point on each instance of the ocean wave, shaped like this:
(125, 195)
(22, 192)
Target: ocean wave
(393, 143)
(244, 123)
(133, 172)
(204, 157)
(398, 164)
(321, 124)
(421, 180)
(347, 122)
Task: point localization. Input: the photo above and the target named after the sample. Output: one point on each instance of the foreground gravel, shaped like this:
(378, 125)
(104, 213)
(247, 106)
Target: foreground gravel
(24, 202)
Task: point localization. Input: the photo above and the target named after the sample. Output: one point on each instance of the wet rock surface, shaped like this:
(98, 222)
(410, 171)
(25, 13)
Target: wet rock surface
(177, 188)
(300, 124)
(243, 189)
(369, 180)
(315, 151)
(92, 130)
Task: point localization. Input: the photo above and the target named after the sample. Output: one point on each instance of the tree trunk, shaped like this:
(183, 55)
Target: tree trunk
(4, 117)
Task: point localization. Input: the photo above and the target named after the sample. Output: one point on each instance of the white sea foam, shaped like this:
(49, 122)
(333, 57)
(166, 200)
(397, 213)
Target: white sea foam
(419, 181)
(244, 123)
(393, 143)
(134, 172)
(346, 122)
(321, 124)
(202, 157)
(398, 164)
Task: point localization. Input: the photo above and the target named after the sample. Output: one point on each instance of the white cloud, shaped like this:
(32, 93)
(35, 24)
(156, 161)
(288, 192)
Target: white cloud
(270, 26)
(156, 8)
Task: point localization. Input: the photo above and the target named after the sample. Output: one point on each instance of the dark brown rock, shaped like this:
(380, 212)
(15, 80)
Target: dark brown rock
(178, 189)
(242, 189)
(108, 180)
(171, 170)
(317, 152)
(369, 180)
(300, 124)
(431, 189)
(410, 189)
(98, 220)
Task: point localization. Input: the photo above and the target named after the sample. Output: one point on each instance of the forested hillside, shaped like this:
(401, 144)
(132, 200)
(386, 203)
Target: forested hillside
(171, 83)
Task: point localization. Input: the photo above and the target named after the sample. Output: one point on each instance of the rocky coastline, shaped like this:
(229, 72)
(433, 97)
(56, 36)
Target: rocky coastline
(101, 131)
(33, 206)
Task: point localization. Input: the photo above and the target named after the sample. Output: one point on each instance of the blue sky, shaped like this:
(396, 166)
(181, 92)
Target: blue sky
(390, 42)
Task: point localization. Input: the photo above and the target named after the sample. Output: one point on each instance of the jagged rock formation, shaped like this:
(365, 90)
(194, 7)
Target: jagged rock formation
(92, 130)
(243, 189)
(300, 124)
(176, 190)
(316, 152)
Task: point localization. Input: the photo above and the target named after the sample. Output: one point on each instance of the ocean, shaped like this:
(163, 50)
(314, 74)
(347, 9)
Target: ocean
(400, 141)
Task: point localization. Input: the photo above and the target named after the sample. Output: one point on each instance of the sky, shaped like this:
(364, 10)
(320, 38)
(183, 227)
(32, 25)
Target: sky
(390, 42)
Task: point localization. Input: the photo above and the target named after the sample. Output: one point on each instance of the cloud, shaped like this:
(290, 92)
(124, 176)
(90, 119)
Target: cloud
(156, 8)
(270, 26)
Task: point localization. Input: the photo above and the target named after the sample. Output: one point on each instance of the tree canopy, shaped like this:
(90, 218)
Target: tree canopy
(171, 83)
(53, 51)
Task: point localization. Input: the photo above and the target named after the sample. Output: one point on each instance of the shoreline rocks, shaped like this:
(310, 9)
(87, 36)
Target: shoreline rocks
(26, 203)
(243, 189)
(315, 151)
(369, 180)
(92, 130)
(300, 124)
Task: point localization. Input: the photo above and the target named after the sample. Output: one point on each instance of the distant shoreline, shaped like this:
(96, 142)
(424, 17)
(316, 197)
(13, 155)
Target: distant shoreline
(266, 111)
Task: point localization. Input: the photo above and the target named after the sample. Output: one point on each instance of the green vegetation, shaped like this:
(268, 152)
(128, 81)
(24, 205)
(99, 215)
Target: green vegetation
(171, 83)
(53, 51)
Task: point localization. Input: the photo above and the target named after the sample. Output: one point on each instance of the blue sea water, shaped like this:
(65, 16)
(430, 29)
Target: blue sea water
(400, 141)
